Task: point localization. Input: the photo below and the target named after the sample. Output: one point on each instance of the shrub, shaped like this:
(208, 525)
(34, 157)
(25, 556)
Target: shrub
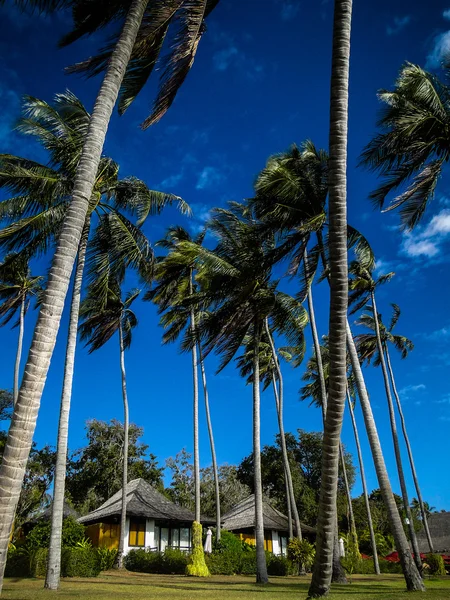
(106, 558)
(228, 541)
(174, 561)
(72, 534)
(279, 566)
(386, 566)
(79, 562)
(196, 566)
(223, 563)
(435, 564)
(301, 553)
(171, 562)
(26, 562)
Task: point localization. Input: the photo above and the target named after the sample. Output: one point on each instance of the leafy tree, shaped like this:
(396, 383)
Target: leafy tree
(17, 287)
(94, 474)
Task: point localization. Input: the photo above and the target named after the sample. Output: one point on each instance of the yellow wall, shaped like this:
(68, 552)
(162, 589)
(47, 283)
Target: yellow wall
(104, 535)
(250, 539)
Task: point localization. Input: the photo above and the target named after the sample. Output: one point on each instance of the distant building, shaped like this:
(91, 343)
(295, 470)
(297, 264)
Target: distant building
(241, 521)
(153, 521)
(439, 525)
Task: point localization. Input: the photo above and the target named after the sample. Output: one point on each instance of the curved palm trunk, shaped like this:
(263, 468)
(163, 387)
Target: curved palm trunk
(321, 579)
(54, 554)
(398, 456)
(410, 454)
(195, 412)
(338, 573)
(364, 485)
(287, 467)
(288, 495)
(211, 441)
(261, 564)
(19, 350)
(410, 571)
(23, 423)
(123, 512)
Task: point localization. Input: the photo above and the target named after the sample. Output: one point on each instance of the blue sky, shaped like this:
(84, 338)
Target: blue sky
(260, 82)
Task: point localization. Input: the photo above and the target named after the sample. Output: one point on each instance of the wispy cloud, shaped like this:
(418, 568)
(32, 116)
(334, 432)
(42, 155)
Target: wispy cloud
(288, 9)
(446, 14)
(232, 56)
(444, 400)
(441, 47)
(398, 25)
(411, 390)
(209, 177)
(223, 58)
(427, 241)
(438, 334)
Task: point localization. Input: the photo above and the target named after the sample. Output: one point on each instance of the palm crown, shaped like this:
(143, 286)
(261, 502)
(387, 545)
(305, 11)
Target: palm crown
(17, 286)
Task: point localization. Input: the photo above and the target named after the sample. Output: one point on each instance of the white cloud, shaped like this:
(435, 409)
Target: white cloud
(233, 57)
(410, 390)
(172, 180)
(427, 241)
(398, 25)
(209, 177)
(223, 58)
(289, 9)
(439, 334)
(444, 400)
(441, 47)
(446, 14)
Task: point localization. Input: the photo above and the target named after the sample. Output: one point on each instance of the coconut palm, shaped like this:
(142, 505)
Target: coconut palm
(312, 390)
(367, 346)
(17, 287)
(174, 284)
(151, 19)
(34, 217)
(363, 287)
(235, 282)
(100, 322)
(412, 147)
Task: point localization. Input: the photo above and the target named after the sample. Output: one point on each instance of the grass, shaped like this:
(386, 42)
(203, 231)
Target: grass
(137, 586)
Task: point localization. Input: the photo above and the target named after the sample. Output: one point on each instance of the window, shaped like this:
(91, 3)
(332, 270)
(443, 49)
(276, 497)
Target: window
(137, 533)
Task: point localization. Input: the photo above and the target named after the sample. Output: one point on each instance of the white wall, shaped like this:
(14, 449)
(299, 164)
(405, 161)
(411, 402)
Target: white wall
(275, 543)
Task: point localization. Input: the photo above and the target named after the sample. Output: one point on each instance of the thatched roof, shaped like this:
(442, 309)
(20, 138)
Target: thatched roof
(142, 501)
(242, 516)
(46, 514)
(439, 524)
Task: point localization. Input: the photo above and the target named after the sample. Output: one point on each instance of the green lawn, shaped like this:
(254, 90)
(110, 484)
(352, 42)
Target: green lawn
(134, 586)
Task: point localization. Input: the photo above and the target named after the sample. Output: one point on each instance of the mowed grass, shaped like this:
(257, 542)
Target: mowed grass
(134, 586)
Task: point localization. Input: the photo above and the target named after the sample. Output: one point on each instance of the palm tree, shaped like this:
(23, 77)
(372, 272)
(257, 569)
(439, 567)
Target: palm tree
(412, 147)
(174, 284)
(99, 323)
(150, 18)
(35, 215)
(17, 287)
(367, 346)
(363, 286)
(235, 283)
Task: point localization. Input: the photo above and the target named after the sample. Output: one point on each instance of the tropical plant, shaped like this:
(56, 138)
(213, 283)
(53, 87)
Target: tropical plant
(144, 27)
(368, 350)
(100, 322)
(235, 283)
(412, 147)
(363, 287)
(35, 215)
(17, 287)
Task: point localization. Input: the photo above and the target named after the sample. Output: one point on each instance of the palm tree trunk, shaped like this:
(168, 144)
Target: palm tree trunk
(287, 467)
(412, 577)
(365, 492)
(19, 350)
(338, 573)
(321, 579)
(398, 456)
(23, 423)
(261, 564)
(288, 495)
(211, 441)
(409, 449)
(351, 516)
(195, 414)
(54, 554)
(126, 423)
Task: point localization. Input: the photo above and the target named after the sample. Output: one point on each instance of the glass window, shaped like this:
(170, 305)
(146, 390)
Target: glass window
(137, 533)
(175, 538)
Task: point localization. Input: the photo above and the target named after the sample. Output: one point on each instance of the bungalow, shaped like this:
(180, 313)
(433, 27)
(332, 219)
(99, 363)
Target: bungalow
(439, 525)
(153, 521)
(241, 521)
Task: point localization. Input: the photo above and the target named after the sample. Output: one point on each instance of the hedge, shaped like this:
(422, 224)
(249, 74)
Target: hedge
(169, 562)
(75, 562)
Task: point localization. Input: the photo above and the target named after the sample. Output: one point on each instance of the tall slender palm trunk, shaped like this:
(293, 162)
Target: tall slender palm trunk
(326, 524)
(398, 456)
(126, 425)
(364, 486)
(211, 442)
(195, 410)
(338, 573)
(19, 350)
(23, 423)
(286, 484)
(52, 580)
(261, 563)
(409, 449)
(351, 516)
(412, 577)
(287, 466)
